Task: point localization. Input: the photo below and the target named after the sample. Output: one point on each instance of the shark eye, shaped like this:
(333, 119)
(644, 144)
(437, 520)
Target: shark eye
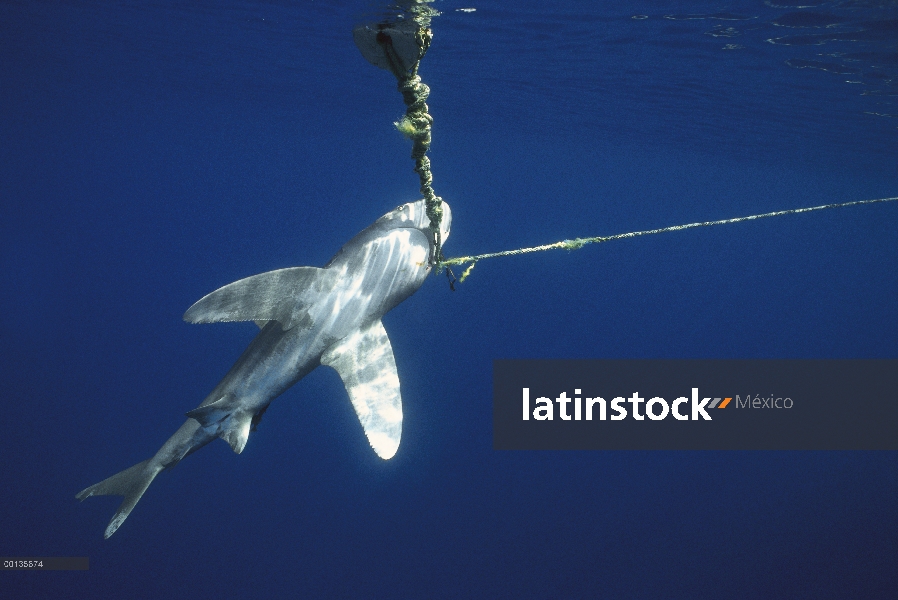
(400, 208)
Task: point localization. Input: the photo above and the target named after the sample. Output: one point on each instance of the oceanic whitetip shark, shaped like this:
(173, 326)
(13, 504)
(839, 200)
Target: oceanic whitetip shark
(308, 317)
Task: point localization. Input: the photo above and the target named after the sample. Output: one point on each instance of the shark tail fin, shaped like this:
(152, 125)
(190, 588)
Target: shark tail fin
(130, 483)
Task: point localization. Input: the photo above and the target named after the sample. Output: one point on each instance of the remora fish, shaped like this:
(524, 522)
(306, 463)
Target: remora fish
(309, 317)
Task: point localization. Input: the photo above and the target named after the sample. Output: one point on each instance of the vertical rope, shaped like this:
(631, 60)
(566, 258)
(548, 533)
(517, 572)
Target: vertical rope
(416, 125)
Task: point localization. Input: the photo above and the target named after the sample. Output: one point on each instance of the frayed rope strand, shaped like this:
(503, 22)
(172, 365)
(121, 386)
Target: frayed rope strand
(578, 243)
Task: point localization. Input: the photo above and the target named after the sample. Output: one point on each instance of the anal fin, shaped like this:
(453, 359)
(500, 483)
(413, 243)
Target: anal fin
(237, 434)
(233, 424)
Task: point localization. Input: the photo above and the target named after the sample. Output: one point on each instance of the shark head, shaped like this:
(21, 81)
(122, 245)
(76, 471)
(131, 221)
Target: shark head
(413, 215)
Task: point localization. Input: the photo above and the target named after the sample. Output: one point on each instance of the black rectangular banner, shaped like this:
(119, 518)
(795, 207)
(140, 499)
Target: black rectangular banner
(695, 404)
(45, 563)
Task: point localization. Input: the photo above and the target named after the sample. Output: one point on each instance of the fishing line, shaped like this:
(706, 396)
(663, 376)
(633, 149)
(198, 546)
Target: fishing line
(578, 243)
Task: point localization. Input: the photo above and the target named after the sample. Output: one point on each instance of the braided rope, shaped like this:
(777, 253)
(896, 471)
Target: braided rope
(578, 243)
(416, 125)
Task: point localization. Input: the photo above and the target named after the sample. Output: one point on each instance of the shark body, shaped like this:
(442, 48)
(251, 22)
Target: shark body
(308, 317)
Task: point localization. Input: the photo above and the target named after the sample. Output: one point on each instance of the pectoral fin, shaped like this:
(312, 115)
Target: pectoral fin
(281, 295)
(365, 363)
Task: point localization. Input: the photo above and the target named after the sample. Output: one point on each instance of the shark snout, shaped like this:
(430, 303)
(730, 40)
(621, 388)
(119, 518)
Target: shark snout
(446, 222)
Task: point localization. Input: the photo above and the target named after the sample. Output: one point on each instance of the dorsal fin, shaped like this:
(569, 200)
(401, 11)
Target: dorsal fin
(366, 365)
(281, 295)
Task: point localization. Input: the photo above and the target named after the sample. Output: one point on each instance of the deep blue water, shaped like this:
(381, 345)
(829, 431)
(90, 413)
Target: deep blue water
(152, 152)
